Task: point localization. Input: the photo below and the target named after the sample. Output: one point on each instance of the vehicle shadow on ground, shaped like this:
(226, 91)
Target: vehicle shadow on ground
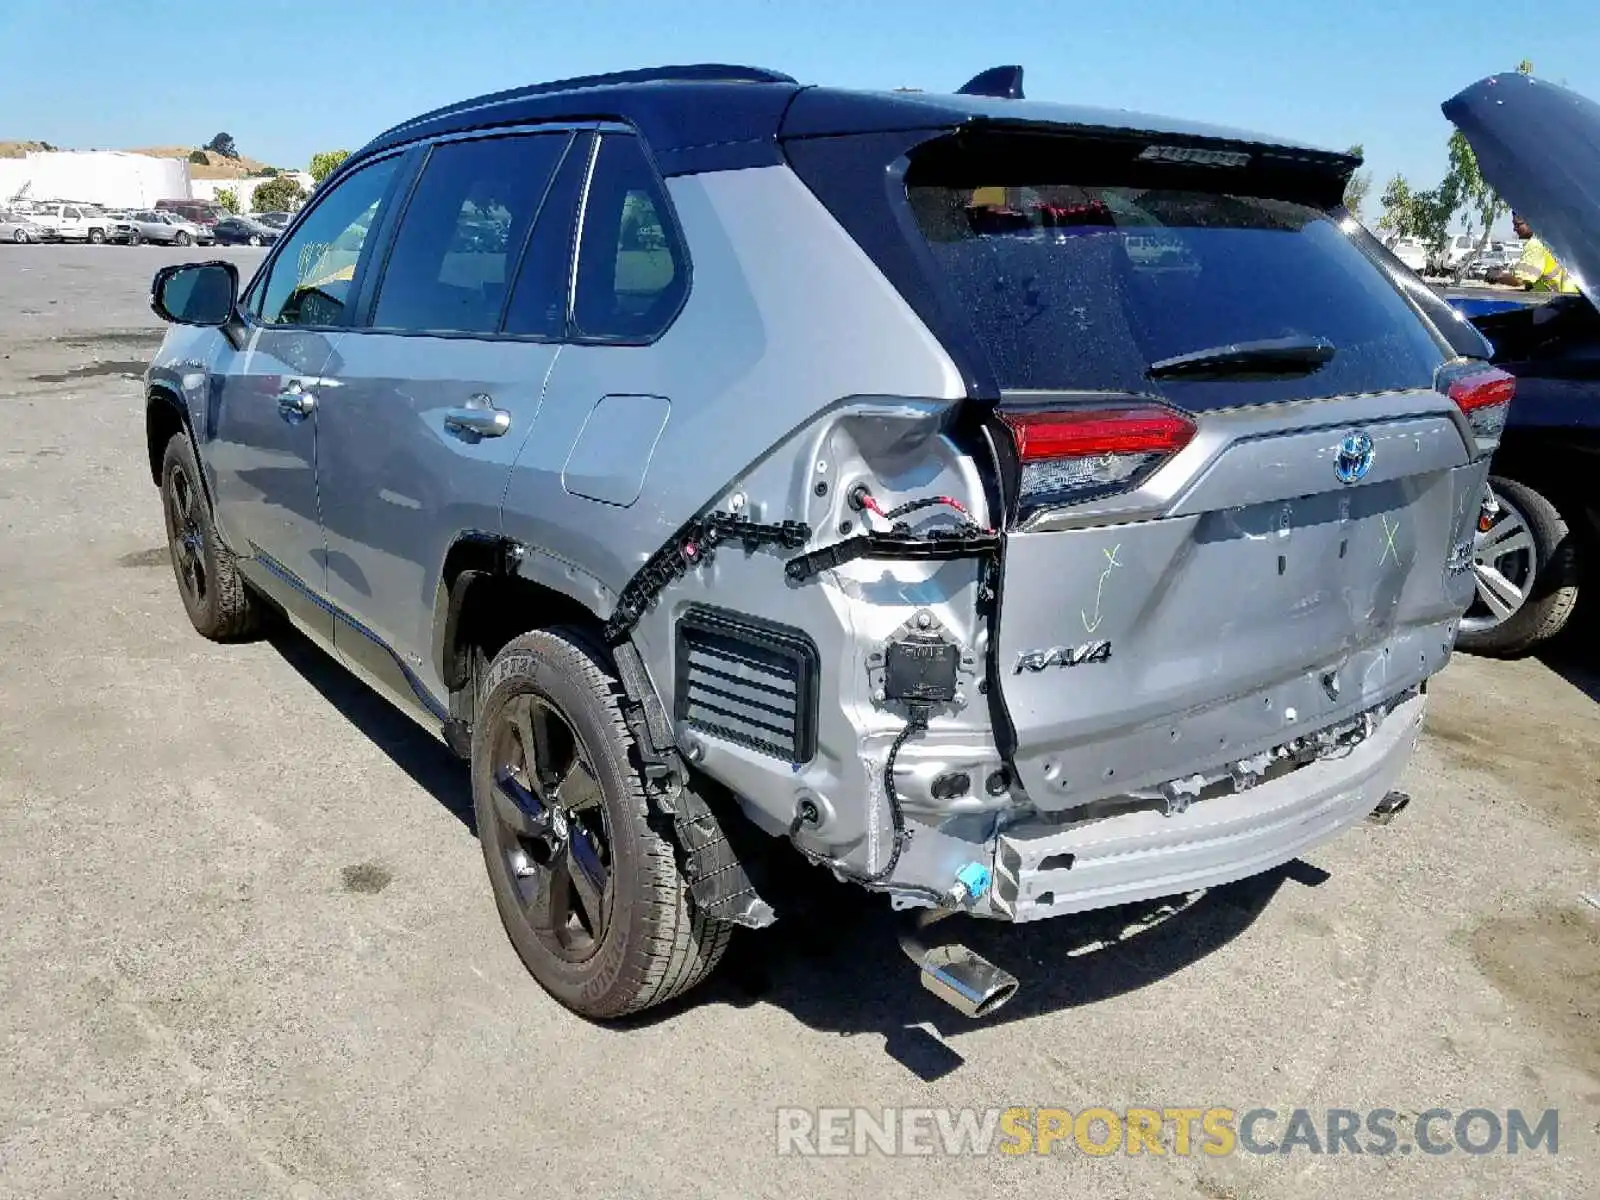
(426, 759)
(833, 960)
(1575, 656)
(839, 968)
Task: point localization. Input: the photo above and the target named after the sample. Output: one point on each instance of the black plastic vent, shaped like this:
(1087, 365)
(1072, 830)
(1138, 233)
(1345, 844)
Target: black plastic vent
(749, 681)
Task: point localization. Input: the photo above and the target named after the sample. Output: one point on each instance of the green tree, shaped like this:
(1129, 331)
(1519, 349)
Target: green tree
(199, 156)
(223, 145)
(1398, 203)
(325, 163)
(1358, 185)
(1424, 215)
(227, 200)
(282, 193)
(1464, 188)
(1465, 191)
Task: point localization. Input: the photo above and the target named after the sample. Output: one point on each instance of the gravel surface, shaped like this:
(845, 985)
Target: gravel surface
(250, 949)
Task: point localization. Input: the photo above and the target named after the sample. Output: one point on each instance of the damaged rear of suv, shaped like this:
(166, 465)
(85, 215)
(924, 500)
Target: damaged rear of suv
(1019, 509)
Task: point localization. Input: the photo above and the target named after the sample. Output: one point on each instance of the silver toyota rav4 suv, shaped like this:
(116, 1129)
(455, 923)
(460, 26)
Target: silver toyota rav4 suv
(1012, 508)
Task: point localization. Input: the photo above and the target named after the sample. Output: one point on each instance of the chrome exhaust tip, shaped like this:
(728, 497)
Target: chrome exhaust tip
(962, 978)
(966, 981)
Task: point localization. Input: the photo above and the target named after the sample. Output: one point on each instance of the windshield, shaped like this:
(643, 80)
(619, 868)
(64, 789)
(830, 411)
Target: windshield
(1083, 287)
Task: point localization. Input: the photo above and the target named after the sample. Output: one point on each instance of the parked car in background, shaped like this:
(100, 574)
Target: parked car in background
(1537, 549)
(1411, 251)
(278, 220)
(1106, 556)
(204, 213)
(1456, 254)
(17, 227)
(71, 222)
(244, 231)
(148, 225)
(1495, 259)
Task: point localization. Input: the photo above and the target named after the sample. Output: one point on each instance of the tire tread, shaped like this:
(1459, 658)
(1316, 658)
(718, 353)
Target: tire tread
(679, 945)
(235, 612)
(1555, 588)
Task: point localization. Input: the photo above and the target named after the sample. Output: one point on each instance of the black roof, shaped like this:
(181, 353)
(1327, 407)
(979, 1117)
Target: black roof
(702, 117)
(716, 117)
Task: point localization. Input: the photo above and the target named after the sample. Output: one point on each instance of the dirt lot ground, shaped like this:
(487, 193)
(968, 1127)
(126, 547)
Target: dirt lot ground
(250, 950)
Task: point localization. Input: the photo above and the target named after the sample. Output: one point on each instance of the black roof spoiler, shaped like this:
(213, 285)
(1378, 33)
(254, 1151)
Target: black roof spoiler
(1005, 83)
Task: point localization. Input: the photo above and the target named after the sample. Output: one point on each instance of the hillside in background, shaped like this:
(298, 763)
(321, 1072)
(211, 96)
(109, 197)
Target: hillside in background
(216, 166)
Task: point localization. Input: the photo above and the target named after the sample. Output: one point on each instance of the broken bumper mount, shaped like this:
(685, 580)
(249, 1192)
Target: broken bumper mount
(1043, 869)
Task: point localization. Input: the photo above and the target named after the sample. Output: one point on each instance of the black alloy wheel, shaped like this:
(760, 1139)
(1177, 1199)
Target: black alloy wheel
(553, 830)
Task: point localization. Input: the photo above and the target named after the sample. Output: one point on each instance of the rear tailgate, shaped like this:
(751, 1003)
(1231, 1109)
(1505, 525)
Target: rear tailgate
(1246, 609)
(1242, 509)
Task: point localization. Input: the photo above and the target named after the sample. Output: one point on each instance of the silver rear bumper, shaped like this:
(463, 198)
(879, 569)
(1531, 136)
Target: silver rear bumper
(1044, 870)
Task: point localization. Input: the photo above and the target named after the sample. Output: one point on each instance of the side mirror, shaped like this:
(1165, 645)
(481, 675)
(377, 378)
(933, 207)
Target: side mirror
(196, 293)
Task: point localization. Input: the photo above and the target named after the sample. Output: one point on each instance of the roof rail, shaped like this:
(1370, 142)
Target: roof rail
(695, 72)
(1003, 82)
(692, 73)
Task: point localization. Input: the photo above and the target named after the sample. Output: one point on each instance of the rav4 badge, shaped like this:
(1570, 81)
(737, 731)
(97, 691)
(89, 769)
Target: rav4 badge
(1063, 656)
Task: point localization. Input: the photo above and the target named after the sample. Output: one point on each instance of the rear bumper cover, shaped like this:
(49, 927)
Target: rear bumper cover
(1043, 870)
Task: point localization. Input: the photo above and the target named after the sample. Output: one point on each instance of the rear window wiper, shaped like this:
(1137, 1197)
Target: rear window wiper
(1263, 357)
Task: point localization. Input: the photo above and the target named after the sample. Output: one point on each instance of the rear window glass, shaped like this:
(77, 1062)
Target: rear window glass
(1073, 287)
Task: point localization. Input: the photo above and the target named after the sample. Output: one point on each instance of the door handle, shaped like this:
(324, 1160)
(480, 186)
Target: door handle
(296, 405)
(481, 420)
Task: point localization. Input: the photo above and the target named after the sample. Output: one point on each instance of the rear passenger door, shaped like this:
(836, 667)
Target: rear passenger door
(440, 387)
(576, 490)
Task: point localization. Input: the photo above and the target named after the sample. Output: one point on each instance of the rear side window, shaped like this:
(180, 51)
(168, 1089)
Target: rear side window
(538, 306)
(463, 229)
(632, 273)
(1084, 285)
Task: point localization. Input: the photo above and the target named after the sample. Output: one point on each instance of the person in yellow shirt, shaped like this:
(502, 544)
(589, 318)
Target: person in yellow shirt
(1537, 270)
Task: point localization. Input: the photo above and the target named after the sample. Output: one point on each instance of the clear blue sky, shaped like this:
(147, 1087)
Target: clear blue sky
(290, 79)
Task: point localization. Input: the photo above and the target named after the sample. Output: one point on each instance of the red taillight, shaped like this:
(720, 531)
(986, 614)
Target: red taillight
(1072, 455)
(1484, 394)
(1483, 389)
(1069, 434)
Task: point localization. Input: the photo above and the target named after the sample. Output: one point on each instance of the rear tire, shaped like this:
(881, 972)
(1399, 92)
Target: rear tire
(220, 606)
(649, 943)
(1552, 582)
(134, 237)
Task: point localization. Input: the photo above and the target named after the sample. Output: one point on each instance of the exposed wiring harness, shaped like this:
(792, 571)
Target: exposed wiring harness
(864, 499)
(917, 723)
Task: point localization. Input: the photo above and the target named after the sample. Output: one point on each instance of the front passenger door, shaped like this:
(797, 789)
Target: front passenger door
(262, 414)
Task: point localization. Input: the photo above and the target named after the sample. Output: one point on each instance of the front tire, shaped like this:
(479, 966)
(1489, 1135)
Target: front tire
(97, 237)
(254, 239)
(1527, 570)
(181, 239)
(588, 886)
(214, 594)
(20, 237)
